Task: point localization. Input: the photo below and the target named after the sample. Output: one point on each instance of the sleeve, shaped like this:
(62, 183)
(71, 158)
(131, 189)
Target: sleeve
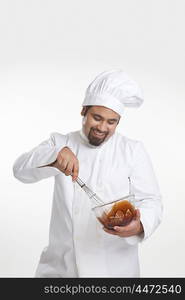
(27, 167)
(147, 194)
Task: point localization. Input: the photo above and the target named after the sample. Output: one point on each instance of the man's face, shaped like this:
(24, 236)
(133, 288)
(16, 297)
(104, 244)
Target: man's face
(99, 124)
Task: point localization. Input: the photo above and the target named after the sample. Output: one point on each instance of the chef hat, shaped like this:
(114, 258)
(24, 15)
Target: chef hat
(115, 90)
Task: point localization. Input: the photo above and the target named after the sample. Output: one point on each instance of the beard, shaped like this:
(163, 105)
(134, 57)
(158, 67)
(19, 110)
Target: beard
(97, 140)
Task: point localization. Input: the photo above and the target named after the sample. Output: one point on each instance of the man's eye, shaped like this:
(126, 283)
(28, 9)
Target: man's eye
(97, 118)
(111, 122)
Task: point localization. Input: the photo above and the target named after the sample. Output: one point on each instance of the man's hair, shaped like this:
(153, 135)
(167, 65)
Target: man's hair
(87, 108)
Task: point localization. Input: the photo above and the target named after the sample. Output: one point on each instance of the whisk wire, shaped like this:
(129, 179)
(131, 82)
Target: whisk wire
(96, 199)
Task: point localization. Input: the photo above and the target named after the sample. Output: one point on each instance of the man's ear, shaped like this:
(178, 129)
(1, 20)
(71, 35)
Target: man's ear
(84, 110)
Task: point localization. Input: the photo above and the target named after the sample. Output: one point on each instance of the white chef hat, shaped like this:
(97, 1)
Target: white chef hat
(115, 90)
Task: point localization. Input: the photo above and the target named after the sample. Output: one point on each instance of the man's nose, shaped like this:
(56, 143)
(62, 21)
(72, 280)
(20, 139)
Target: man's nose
(102, 126)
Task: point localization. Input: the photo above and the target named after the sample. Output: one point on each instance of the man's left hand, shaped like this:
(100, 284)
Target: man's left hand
(135, 227)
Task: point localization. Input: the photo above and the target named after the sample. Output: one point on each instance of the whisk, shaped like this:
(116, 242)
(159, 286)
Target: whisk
(95, 199)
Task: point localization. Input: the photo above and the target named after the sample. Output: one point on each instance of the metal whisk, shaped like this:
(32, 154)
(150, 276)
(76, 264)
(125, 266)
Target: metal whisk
(92, 196)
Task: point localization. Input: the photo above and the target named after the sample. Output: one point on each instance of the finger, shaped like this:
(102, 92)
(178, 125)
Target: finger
(60, 159)
(75, 171)
(63, 166)
(137, 215)
(62, 163)
(122, 232)
(68, 170)
(119, 229)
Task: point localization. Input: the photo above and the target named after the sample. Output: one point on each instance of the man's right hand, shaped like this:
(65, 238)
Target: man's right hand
(67, 163)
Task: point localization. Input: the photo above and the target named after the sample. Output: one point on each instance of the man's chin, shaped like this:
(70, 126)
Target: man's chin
(96, 141)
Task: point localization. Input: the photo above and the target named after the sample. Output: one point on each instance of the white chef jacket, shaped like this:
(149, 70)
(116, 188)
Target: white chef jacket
(78, 246)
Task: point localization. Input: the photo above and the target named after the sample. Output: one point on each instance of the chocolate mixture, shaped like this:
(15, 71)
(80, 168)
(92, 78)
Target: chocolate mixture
(120, 214)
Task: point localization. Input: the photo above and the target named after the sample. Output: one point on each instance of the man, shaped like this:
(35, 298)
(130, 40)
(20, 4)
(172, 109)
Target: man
(113, 166)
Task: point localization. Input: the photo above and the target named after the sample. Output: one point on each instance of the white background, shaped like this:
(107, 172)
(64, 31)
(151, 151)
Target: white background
(49, 53)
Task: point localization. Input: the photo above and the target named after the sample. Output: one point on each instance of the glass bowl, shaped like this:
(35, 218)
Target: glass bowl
(116, 213)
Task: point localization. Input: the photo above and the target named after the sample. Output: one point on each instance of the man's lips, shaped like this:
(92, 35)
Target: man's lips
(98, 134)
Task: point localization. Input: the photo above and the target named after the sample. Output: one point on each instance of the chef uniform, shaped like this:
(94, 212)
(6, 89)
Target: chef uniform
(78, 246)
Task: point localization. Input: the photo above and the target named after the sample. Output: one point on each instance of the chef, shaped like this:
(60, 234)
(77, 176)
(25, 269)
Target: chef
(113, 166)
